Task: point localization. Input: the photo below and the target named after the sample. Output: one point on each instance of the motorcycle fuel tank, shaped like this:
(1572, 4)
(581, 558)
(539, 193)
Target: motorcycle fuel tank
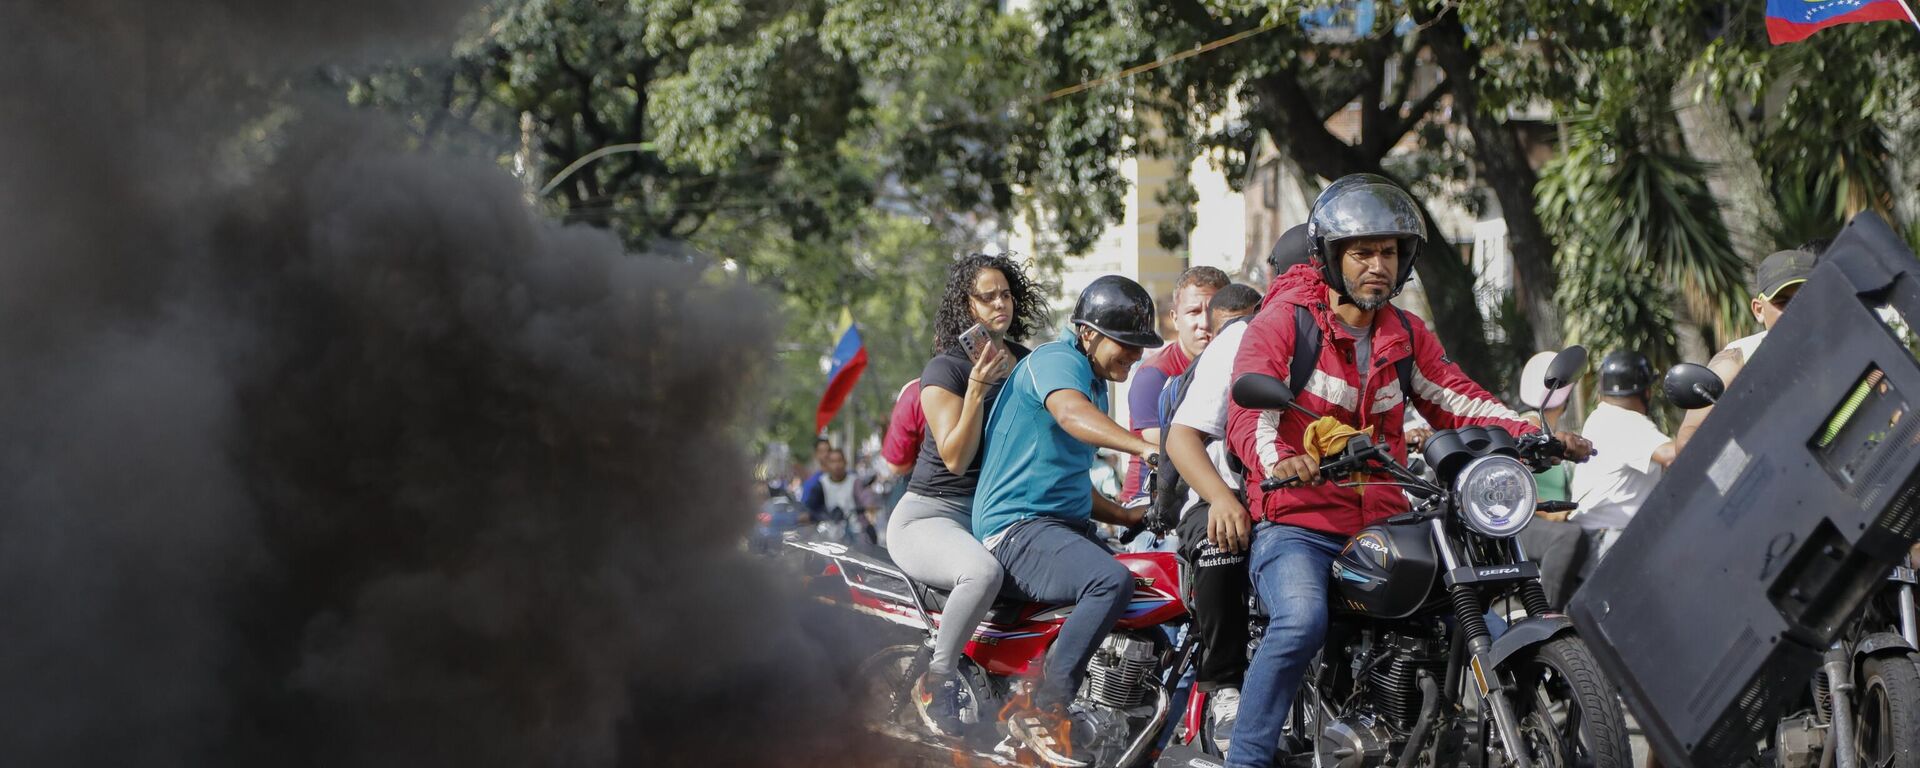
(1385, 572)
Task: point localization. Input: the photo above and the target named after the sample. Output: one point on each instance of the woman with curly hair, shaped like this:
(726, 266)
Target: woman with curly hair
(930, 535)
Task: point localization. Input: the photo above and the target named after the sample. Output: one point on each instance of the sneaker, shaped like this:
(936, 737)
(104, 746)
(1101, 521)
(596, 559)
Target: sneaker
(938, 702)
(1051, 734)
(1223, 705)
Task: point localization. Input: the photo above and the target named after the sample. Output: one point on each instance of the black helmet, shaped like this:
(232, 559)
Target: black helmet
(1624, 374)
(1292, 248)
(1120, 310)
(1364, 205)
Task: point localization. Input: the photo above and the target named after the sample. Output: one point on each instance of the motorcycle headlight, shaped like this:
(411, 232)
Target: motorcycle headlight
(1496, 495)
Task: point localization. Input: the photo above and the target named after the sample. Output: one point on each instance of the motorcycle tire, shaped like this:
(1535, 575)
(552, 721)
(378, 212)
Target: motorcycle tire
(1558, 681)
(887, 679)
(1887, 712)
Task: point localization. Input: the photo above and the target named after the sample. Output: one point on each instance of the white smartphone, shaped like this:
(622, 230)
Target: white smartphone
(975, 340)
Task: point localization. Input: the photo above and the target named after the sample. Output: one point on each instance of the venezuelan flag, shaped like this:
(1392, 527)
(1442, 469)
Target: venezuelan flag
(849, 360)
(1790, 21)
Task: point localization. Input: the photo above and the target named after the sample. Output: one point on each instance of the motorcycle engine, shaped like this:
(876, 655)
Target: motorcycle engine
(1798, 742)
(1392, 678)
(1117, 674)
(1357, 741)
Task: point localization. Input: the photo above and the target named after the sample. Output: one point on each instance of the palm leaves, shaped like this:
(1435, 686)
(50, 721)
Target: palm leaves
(1638, 230)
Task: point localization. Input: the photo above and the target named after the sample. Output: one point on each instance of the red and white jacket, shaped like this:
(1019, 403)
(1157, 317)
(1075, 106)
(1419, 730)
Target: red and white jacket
(1442, 394)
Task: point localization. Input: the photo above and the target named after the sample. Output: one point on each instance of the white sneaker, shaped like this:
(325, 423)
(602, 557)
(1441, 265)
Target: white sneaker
(1223, 705)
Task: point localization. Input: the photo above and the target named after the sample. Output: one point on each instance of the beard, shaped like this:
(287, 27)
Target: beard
(1366, 303)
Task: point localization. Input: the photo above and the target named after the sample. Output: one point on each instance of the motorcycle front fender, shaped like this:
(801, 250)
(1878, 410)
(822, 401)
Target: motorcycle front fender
(1880, 642)
(1529, 632)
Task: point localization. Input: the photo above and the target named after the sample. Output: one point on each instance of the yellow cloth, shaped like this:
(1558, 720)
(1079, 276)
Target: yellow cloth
(1328, 436)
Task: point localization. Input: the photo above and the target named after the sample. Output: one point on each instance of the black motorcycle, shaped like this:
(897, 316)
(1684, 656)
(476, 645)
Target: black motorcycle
(1411, 673)
(1862, 707)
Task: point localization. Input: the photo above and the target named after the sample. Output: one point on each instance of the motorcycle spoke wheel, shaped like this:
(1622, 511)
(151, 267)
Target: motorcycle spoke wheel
(887, 679)
(1569, 715)
(1887, 717)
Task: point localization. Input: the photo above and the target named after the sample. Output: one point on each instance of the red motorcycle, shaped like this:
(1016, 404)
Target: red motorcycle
(1129, 687)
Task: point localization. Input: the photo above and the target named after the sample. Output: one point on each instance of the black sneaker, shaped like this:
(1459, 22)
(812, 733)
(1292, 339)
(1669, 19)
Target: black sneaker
(939, 704)
(1052, 734)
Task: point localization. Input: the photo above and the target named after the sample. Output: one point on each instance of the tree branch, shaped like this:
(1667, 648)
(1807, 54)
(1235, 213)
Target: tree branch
(1413, 117)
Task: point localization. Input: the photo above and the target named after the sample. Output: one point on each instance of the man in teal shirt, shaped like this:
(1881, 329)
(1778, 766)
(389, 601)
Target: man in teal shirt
(1035, 505)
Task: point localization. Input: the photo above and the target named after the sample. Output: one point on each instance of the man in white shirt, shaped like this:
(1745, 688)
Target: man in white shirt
(1611, 486)
(1774, 284)
(1219, 557)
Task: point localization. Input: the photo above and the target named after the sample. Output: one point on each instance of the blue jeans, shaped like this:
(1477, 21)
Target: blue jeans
(1055, 561)
(1290, 569)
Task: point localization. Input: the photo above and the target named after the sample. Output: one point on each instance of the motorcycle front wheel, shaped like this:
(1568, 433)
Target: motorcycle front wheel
(1887, 716)
(1569, 714)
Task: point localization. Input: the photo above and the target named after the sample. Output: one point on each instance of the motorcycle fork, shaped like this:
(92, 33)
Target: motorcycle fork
(1839, 669)
(1908, 629)
(1470, 616)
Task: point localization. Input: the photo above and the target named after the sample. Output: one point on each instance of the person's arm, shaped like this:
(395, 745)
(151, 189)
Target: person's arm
(1665, 454)
(1727, 364)
(906, 428)
(1253, 435)
(814, 498)
(1108, 511)
(1447, 398)
(1076, 414)
(956, 420)
(1227, 523)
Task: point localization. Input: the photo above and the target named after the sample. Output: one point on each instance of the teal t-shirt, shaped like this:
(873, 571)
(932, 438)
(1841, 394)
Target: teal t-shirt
(1033, 467)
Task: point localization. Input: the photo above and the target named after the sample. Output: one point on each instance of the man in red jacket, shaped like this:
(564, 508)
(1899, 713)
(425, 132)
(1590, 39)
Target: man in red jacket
(1365, 233)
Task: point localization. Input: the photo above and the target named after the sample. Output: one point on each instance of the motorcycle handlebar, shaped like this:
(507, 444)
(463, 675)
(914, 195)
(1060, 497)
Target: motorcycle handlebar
(1328, 467)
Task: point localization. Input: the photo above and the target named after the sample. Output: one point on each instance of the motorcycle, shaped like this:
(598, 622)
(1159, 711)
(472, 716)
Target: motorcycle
(1862, 707)
(1411, 674)
(1126, 694)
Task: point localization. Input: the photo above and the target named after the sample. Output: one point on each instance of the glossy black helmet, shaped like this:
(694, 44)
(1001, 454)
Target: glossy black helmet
(1625, 373)
(1120, 310)
(1364, 205)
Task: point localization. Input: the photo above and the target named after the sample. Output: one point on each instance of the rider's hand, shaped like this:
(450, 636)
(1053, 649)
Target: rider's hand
(1302, 467)
(1578, 448)
(1417, 437)
(994, 364)
(1228, 527)
(1151, 456)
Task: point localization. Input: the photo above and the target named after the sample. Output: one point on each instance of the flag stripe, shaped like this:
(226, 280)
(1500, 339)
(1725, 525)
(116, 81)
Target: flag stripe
(849, 360)
(1791, 21)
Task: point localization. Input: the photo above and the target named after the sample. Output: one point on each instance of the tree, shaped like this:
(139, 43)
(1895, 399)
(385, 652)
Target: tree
(832, 151)
(1279, 79)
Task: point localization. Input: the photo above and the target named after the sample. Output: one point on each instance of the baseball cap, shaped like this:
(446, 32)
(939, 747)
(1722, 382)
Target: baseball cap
(1533, 384)
(1779, 270)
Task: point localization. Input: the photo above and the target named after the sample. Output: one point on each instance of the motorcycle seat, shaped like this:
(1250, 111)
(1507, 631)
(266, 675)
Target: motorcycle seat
(1005, 610)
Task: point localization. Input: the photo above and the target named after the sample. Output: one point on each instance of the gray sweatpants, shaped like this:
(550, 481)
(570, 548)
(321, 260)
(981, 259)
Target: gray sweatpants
(931, 538)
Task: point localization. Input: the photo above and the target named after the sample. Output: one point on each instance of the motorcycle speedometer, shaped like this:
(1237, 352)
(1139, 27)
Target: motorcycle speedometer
(1497, 495)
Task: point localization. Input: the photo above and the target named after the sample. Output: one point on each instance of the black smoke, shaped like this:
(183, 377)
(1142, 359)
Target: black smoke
(317, 451)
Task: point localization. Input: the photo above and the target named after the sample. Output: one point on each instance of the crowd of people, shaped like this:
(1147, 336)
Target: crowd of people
(1007, 490)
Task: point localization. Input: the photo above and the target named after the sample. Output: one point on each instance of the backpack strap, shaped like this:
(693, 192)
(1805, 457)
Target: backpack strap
(1306, 353)
(1306, 350)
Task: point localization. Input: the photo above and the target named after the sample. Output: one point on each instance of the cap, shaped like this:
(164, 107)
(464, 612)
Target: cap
(1533, 384)
(1782, 269)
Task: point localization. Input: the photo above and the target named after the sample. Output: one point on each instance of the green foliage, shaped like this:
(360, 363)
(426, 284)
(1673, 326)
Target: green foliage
(1638, 231)
(836, 152)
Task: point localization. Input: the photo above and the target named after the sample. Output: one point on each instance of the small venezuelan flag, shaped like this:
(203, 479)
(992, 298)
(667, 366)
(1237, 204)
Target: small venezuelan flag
(849, 360)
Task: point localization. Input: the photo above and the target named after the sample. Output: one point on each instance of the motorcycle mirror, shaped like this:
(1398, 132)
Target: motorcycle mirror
(1566, 366)
(1261, 392)
(1692, 386)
